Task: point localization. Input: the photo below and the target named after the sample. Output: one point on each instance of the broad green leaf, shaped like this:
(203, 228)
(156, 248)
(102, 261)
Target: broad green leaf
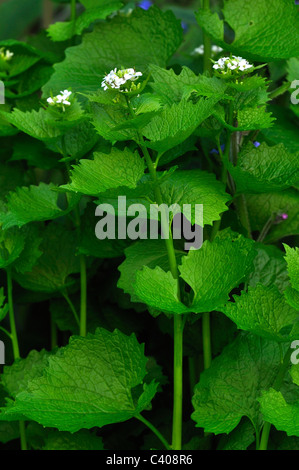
(196, 187)
(72, 395)
(263, 207)
(36, 203)
(24, 57)
(265, 169)
(292, 297)
(29, 81)
(77, 141)
(12, 243)
(81, 440)
(176, 122)
(292, 259)
(90, 245)
(147, 37)
(171, 87)
(230, 388)
(106, 171)
(284, 129)
(36, 124)
(61, 31)
(239, 439)
(149, 253)
(35, 153)
(264, 312)
(58, 261)
(277, 409)
(31, 251)
(16, 377)
(212, 272)
(248, 118)
(260, 33)
(270, 268)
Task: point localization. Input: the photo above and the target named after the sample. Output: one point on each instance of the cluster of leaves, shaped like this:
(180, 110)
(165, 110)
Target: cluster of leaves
(183, 138)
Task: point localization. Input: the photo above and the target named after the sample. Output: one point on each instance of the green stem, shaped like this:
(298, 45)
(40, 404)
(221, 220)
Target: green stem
(71, 305)
(280, 90)
(83, 272)
(206, 340)
(207, 65)
(242, 211)
(6, 332)
(83, 304)
(14, 337)
(276, 385)
(178, 319)
(54, 341)
(178, 383)
(154, 430)
(15, 345)
(73, 10)
(192, 373)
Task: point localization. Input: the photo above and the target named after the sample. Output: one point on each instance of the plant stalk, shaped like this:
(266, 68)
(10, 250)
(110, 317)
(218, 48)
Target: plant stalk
(276, 385)
(207, 65)
(154, 430)
(15, 345)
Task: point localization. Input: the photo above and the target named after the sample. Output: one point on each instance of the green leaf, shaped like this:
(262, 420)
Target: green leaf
(239, 439)
(35, 203)
(292, 259)
(34, 123)
(248, 118)
(230, 388)
(12, 243)
(106, 171)
(24, 57)
(61, 31)
(264, 312)
(176, 122)
(52, 270)
(195, 187)
(255, 38)
(212, 272)
(16, 377)
(262, 207)
(265, 169)
(171, 87)
(279, 411)
(81, 440)
(270, 268)
(149, 253)
(90, 245)
(31, 251)
(72, 395)
(147, 37)
(284, 130)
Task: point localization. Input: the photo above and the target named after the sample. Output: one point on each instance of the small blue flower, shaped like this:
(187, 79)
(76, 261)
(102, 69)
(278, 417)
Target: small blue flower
(256, 144)
(296, 2)
(145, 4)
(184, 26)
(216, 151)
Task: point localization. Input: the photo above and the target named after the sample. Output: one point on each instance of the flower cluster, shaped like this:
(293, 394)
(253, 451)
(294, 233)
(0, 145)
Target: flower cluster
(226, 65)
(200, 50)
(6, 55)
(60, 100)
(117, 79)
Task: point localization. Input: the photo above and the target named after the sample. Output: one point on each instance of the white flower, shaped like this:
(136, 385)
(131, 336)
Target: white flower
(60, 100)
(200, 50)
(116, 78)
(224, 64)
(6, 55)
